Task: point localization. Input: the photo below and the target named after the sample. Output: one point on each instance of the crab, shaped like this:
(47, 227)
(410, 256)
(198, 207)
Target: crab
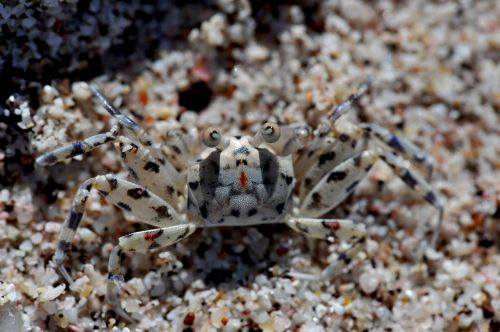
(283, 174)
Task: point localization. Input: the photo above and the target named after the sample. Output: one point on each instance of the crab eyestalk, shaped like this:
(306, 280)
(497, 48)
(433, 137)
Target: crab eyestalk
(269, 133)
(212, 138)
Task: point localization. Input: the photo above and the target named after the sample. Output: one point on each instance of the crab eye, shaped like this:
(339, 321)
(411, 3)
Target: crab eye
(270, 132)
(211, 137)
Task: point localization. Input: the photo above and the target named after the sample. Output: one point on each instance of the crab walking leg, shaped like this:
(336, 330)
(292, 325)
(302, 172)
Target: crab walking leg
(145, 205)
(399, 145)
(417, 183)
(338, 184)
(143, 241)
(158, 175)
(335, 186)
(123, 119)
(347, 143)
(178, 148)
(346, 105)
(77, 148)
(317, 144)
(336, 267)
(139, 242)
(342, 229)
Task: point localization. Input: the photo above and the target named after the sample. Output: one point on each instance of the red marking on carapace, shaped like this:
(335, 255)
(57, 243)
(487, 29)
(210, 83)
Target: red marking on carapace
(151, 236)
(243, 180)
(332, 225)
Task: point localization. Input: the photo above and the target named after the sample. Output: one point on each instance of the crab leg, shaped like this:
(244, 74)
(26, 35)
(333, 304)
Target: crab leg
(345, 143)
(399, 145)
(155, 174)
(338, 184)
(334, 187)
(320, 140)
(77, 148)
(342, 229)
(146, 240)
(145, 205)
(123, 119)
(140, 242)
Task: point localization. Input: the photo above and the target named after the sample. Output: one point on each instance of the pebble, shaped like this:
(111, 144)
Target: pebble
(50, 293)
(10, 318)
(369, 281)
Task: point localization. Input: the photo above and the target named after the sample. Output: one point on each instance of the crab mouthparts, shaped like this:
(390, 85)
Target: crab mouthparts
(243, 180)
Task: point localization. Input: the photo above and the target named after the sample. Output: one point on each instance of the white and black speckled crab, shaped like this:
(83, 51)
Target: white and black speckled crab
(286, 175)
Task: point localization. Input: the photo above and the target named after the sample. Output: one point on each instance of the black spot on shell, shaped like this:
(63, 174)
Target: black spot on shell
(77, 148)
(325, 157)
(132, 173)
(352, 186)
(103, 193)
(204, 211)
(430, 197)
(280, 207)
(395, 143)
(162, 211)
(183, 234)
(409, 179)
(193, 185)
(176, 149)
(235, 213)
(269, 169)
(288, 179)
(336, 176)
(113, 183)
(152, 167)
(124, 206)
(154, 245)
(138, 193)
(316, 200)
(63, 245)
(252, 212)
(74, 219)
(170, 190)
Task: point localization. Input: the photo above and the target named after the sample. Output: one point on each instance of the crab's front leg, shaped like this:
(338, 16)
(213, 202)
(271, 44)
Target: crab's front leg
(137, 200)
(140, 242)
(341, 229)
(77, 148)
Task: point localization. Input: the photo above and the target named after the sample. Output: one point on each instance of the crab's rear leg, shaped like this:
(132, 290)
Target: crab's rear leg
(145, 205)
(334, 187)
(341, 229)
(399, 146)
